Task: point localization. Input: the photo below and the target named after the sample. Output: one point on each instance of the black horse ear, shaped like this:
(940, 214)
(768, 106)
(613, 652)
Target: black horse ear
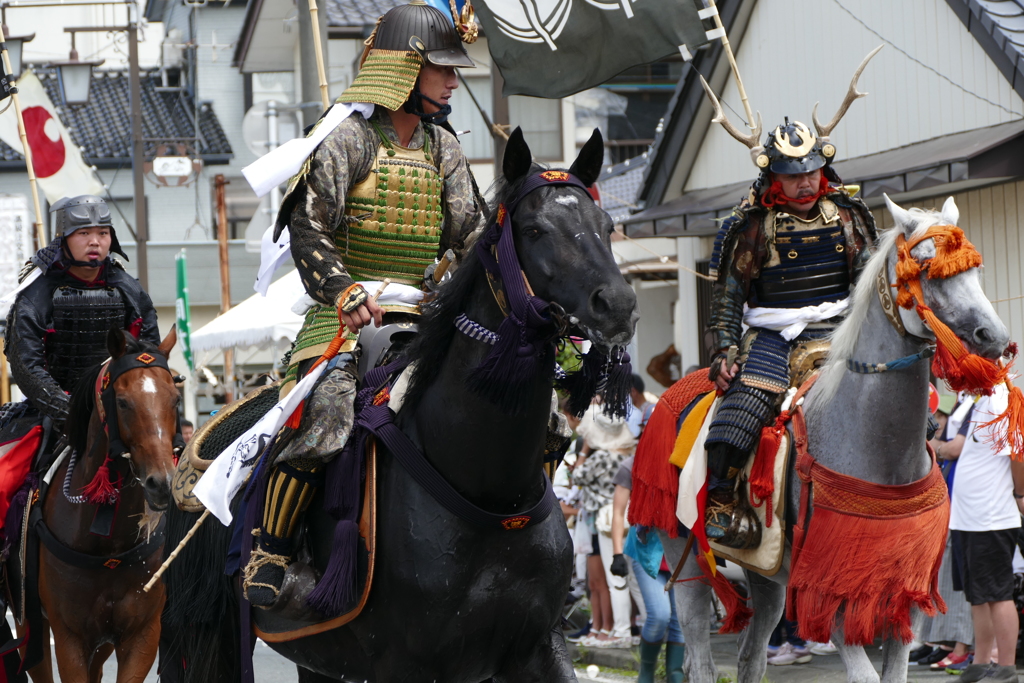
(518, 159)
(587, 166)
(115, 342)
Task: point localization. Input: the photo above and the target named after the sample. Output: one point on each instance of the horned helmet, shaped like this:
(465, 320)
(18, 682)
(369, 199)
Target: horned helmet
(792, 147)
(405, 38)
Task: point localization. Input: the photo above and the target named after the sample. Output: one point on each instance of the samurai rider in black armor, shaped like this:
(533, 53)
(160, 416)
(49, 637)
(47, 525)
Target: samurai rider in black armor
(71, 294)
(784, 262)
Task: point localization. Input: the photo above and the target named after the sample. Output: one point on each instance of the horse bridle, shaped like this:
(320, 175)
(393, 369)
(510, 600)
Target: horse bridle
(106, 398)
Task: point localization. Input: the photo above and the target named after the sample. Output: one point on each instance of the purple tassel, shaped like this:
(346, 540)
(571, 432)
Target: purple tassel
(511, 367)
(344, 478)
(617, 390)
(336, 589)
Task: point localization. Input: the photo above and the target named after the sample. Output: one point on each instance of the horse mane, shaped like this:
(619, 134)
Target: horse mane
(437, 326)
(845, 337)
(83, 397)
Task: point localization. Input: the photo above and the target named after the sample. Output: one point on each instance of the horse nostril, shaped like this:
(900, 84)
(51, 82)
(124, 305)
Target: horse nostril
(984, 336)
(599, 306)
(154, 484)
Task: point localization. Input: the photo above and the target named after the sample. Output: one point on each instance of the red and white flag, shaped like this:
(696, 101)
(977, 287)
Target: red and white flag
(58, 162)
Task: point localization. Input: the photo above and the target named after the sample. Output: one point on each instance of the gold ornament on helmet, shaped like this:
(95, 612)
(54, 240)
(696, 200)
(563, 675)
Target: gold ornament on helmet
(784, 142)
(828, 149)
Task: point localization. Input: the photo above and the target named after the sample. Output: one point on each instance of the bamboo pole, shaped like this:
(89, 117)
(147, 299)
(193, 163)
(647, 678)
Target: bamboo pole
(319, 50)
(5, 380)
(170, 558)
(26, 150)
(732, 63)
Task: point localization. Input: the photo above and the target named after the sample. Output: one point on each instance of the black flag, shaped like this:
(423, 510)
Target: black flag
(554, 48)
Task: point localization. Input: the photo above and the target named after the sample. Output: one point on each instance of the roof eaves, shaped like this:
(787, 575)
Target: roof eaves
(682, 122)
(983, 22)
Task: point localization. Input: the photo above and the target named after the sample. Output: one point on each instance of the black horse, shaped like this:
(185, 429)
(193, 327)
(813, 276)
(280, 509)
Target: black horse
(450, 601)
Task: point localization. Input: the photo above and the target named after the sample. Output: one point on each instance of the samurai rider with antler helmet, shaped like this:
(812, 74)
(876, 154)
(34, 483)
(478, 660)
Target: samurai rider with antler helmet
(387, 191)
(785, 261)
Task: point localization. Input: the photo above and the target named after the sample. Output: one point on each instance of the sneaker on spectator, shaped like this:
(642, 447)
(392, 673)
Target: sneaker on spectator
(579, 635)
(1001, 674)
(973, 673)
(773, 650)
(958, 668)
(590, 640)
(787, 656)
(623, 643)
(801, 650)
(822, 648)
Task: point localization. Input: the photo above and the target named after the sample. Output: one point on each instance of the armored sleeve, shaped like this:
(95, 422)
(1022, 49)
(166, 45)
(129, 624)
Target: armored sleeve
(344, 157)
(147, 312)
(740, 264)
(464, 207)
(24, 347)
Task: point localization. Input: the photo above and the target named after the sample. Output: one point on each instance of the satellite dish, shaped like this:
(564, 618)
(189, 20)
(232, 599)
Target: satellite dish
(255, 126)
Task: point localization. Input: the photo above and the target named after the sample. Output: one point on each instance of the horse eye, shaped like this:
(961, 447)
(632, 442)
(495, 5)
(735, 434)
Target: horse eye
(121, 403)
(532, 232)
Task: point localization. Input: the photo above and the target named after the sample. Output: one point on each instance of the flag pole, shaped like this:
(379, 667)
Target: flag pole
(319, 50)
(26, 150)
(732, 62)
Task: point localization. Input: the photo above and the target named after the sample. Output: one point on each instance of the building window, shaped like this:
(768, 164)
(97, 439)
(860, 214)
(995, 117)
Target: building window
(477, 144)
(541, 121)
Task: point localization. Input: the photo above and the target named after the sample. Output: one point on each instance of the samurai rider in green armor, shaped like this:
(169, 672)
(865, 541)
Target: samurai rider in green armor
(386, 192)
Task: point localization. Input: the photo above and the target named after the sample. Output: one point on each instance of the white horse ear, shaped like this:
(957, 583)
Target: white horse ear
(950, 214)
(900, 215)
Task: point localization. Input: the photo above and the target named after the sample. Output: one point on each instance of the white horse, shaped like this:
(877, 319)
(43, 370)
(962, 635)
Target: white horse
(870, 426)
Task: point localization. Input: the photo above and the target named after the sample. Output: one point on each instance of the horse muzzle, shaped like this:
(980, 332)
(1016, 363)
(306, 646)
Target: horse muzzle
(157, 490)
(611, 315)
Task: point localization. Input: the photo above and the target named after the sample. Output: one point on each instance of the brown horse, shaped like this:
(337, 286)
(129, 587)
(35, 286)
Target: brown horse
(92, 597)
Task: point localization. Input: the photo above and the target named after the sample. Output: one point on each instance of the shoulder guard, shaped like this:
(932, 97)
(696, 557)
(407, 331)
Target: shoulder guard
(735, 223)
(25, 270)
(857, 206)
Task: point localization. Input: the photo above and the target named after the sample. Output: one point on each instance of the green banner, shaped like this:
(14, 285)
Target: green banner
(181, 308)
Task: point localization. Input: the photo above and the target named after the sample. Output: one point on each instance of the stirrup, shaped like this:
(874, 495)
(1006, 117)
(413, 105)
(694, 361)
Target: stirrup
(744, 532)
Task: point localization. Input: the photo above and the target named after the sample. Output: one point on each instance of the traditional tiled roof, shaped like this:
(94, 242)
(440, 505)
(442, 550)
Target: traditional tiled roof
(998, 26)
(619, 186)
(358, 13)
(103, 126)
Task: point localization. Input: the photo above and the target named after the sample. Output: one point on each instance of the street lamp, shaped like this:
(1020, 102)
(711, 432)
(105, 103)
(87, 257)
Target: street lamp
(14, 45)
(74, 76)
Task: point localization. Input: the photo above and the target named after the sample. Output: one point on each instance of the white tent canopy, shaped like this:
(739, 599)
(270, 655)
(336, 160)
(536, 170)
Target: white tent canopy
(258, 321)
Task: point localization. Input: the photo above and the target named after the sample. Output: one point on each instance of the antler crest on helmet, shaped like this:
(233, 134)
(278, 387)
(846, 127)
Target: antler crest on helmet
(851, 95)
(751, 140)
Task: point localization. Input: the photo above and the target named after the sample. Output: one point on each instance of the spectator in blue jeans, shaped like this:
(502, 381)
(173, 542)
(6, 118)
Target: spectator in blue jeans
(652, 573)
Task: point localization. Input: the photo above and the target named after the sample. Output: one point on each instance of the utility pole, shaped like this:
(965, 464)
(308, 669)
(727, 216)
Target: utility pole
(225, 281)
(138, 153)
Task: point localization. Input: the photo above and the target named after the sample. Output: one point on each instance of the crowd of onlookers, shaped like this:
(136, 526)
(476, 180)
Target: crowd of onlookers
(625, 571)
(977, 636)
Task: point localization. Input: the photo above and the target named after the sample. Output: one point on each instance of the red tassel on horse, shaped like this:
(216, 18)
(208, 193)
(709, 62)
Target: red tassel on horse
(101, 491)
(737, 612)
(762, 474)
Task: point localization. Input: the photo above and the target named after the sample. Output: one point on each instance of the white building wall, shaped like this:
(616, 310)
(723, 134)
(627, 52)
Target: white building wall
(797, 52)
(657, 302)
(991, 218)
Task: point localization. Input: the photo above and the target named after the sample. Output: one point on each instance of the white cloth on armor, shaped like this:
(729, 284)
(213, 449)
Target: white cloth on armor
(277, 167)
(790, 322)
(8, 300)
(983, 484)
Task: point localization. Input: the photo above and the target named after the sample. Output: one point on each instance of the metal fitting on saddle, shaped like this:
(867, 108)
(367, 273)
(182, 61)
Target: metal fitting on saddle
(352, 298)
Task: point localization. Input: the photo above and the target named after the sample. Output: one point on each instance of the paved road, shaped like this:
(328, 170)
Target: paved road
(272, 668)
